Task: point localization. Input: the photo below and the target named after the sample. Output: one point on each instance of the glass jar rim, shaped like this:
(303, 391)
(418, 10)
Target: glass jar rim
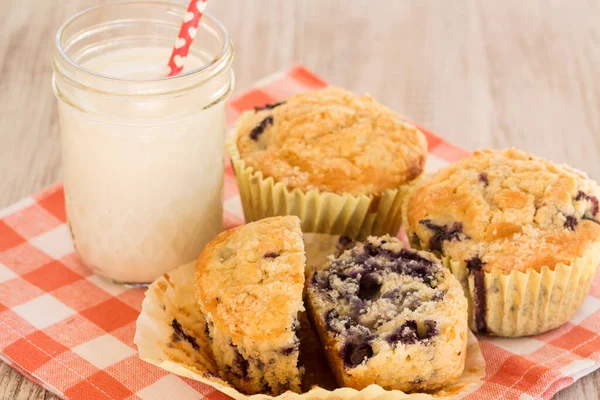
(224, 57)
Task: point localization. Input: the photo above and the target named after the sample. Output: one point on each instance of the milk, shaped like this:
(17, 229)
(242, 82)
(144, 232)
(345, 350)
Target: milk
(143, 179)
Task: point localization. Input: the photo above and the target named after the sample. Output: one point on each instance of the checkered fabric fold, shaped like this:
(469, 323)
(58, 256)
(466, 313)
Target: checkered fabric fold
(72, 332)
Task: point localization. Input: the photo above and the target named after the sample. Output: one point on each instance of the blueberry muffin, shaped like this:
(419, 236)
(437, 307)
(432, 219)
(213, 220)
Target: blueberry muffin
(520, 233)
(390, 316)
(334, 159)
(249, 283)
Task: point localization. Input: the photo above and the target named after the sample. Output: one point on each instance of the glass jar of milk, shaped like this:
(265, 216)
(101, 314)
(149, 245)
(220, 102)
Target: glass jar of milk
(142, 154)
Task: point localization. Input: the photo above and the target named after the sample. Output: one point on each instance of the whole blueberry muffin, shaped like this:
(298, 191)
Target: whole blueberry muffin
(520, 233)
(332, 158)
(249, 283)
(390, 316)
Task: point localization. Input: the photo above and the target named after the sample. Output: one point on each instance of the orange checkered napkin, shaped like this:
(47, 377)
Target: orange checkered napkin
(72, 332)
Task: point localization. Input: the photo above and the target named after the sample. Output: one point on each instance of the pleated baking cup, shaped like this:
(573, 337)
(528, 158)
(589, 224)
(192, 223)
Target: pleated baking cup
(171, 335)
(348, 215)
(526, 303)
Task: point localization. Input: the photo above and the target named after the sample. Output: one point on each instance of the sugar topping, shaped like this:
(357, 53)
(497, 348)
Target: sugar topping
(508, 208)
(332, 141)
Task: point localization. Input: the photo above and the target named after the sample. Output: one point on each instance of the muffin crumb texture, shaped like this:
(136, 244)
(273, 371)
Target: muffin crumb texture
(249, 284)
(509, 209)
(331, 141)
(390, 316)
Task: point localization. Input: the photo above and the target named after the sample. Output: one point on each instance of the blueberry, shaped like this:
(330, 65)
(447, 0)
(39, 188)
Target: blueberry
(240, 364)
(483, 177)
(370, 250)
(475, 267)
(355, 352)
(206, 329)
(405, 333)
(407, 254)
(345, 241)
(571, 222)
(179, 334)
(260, 127)
(410, 263)
(271, 254)
(286, 351)
(430, 330)
(584, 196)
(417, 270)
(369, 286)
(443, 233)
(266, 388)
(475, 264)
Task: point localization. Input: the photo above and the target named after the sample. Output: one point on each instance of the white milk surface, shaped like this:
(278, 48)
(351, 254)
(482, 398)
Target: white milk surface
(141, 198)
(139, 63)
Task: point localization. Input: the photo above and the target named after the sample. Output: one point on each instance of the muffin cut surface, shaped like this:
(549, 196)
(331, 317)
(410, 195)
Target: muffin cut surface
(390, 316)
(249, 283)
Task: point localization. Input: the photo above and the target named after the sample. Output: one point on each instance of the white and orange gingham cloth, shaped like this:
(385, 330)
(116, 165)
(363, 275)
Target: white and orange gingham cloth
(72, 332)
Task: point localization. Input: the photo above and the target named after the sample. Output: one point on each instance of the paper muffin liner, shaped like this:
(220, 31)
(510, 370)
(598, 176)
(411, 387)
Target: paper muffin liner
(348, 215)
(171, 298)
(528, 303)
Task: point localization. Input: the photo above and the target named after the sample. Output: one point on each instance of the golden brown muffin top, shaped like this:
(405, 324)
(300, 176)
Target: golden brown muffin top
(507, 209)
(250, 279)
(332, 141)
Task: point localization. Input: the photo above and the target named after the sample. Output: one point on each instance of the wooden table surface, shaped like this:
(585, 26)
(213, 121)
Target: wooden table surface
(481, 73)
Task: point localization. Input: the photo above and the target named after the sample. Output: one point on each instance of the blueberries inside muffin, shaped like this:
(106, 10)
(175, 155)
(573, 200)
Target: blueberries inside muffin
(443, 233)
(591, 212)
(355, 352)
(583, 196)
(373, 284)
(475, 267)
(571, 222)
(240, 366)
(179, 334)
(405, 333)
(410, 332)
(260, 127)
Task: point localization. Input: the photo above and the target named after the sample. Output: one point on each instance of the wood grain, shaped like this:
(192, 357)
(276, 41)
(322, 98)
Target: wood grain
(481, 73)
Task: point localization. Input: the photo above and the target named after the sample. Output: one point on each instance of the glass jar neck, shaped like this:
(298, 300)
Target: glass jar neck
(139, 26)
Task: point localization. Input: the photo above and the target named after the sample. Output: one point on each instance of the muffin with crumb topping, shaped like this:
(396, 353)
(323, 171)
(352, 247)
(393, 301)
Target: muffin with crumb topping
(521, 234)
(336, 160)
(249, 284)
(390, 316)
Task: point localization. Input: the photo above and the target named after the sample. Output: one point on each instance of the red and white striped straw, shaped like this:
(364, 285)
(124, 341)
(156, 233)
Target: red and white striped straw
(186, 36)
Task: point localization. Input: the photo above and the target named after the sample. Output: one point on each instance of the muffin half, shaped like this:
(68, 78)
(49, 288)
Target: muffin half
(249, 283)
(390, 316)
(334, 159)
(520, 233)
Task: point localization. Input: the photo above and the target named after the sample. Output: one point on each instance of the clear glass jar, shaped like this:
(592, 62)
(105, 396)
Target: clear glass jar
(142, 154)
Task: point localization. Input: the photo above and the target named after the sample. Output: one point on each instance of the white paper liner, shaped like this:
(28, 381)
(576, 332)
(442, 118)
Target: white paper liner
(324, 212)
(172, 297)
